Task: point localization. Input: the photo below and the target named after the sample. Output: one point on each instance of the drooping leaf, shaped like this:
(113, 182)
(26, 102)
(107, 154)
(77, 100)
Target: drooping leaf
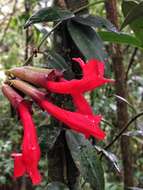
(124, 100)
(41, 28)
(56, 61)
(96, 22)
(87, 41)
(135, 13)
(120, 38)
(136, 24)
(57, 186)
(127, 6)
(111, 157)
(86, 159)
(49, 14)
(134, 133)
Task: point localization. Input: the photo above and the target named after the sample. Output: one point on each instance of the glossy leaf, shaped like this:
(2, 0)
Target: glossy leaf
(49, 14)
(120, 38)
(56, 61)
(111, 157)
(86, 159)
(87, 41)
(96, 22)
(137, 24)
(57, 186)
(135, 13)
(124, 100)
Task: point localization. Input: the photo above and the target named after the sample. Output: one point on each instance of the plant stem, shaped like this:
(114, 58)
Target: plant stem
(56, 26)
(88, 5)
(123, 130)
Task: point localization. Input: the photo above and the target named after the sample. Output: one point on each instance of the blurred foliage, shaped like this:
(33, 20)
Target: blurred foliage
(12, 51)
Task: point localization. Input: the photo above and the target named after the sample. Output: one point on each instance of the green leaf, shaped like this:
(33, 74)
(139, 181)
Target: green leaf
(57, 186)
(56, 61)
(137, 24)
(87, 41)
(47, 132)
(110, 156)
(133, 14)
(86, 159)
(120, 38)
(49, 14)
(41, 28)
(96, 22)
(124, 100)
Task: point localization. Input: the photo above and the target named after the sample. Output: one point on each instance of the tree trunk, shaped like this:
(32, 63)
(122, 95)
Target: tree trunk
(121, 90)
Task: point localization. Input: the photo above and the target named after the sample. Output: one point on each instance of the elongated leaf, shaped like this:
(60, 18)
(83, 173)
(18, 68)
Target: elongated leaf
(86, 159)
(96, 22)
(49, 14)
(88, 41)
(134, 133)
(120, 38)
(55, 61)
(41, 28)
(57, 186)
(127, 6)
(124, 100)
(137, 25)
(135, 13)
(111, 157)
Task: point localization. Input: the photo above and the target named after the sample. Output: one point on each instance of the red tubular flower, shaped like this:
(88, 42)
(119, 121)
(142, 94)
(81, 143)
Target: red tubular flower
(93, 72)
(81, 104)
(37, 76)
(87, 124)
(27, 161)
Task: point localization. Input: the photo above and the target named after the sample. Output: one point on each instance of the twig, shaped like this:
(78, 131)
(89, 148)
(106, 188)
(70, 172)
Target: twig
(88, 5)
(9, 21)
(42, 41)
(27, 36)
(131, 62)
(48, 34)
(123, 130)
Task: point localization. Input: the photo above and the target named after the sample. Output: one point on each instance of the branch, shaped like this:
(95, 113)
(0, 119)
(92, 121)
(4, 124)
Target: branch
(131, 62)
(41, 43)
(123, 130)
(88, 5)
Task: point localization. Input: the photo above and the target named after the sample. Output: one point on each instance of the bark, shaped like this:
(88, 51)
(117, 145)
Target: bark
(121, 90)
(61, 166)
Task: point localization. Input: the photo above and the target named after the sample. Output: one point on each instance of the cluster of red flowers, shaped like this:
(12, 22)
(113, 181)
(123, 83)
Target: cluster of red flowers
(82, 120)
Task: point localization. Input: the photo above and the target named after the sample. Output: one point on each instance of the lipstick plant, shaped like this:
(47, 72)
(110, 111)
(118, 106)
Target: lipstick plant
(79, 124)
(82, 120)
